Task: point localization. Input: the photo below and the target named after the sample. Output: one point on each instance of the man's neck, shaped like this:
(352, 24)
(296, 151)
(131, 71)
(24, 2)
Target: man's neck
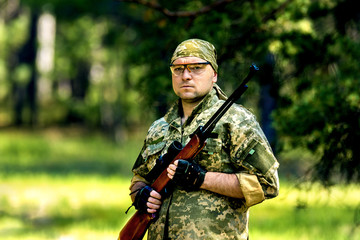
(187, 107)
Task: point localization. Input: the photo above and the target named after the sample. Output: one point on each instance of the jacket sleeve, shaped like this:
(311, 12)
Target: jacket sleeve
(259, 180)
(137, 178)
(256, 162)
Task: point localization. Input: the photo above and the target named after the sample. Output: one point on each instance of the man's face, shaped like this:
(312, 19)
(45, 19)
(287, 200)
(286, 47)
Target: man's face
(191, 87)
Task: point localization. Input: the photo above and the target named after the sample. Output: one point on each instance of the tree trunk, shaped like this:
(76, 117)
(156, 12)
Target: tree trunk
(25, 94)
(269, 94)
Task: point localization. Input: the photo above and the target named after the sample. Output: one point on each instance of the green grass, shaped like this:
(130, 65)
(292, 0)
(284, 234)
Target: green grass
(68, 186)
(62, 207)
(64, 151)
(310, 212)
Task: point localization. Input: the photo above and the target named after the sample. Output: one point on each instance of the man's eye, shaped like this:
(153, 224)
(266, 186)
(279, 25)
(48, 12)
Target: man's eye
(179, 68)
(196, 67)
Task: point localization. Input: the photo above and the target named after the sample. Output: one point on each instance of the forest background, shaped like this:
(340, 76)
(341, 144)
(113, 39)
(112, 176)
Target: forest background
(81, 81)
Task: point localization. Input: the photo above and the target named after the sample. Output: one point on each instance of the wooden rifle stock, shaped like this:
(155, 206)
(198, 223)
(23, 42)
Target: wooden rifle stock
(137, 225)
(139, 222)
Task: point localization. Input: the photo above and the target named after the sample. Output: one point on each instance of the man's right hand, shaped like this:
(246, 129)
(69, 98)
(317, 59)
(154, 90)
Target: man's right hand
(147, 200)
(154, 202)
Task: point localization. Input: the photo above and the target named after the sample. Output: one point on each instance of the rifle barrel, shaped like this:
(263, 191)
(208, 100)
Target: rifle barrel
(209, 126)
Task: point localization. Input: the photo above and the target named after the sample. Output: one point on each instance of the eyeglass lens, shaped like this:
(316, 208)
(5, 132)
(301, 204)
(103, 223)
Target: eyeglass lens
(194, 68)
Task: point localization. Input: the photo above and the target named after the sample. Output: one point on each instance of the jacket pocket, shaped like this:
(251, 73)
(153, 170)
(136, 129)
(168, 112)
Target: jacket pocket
(255, 157)
(153, 150)
(211, 157)
(213, 145)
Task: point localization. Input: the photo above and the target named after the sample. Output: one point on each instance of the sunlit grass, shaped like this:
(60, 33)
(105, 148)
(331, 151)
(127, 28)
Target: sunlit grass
(308, 211)
(62, 207)
(92, 207)
(70, 186)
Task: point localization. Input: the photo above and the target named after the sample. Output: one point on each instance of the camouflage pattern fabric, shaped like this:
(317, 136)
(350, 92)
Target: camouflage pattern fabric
(237, 146)
(196, 48)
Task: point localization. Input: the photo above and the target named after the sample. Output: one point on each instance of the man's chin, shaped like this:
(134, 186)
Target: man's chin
(191, 99)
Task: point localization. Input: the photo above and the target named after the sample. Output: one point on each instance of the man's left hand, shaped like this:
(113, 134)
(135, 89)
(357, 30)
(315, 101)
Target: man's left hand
(186, 174)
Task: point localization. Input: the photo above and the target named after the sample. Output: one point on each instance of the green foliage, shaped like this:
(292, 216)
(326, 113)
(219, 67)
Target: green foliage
(322, 106)
(111, 67)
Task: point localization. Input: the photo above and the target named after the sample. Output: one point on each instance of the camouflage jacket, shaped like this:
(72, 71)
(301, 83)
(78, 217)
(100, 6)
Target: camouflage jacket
(237, 146)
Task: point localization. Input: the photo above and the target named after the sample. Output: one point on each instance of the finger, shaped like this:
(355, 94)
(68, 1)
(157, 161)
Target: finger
(171, 171)
(155, 194)
(153, 206)
(149, 210)
(170, 176)
(172, 167)
(154, 201)
(176, 162)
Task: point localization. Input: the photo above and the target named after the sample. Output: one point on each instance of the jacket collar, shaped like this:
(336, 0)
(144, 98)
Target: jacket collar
(175, 112)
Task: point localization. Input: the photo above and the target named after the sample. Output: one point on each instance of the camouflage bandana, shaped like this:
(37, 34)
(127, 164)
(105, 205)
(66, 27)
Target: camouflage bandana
(196, 48)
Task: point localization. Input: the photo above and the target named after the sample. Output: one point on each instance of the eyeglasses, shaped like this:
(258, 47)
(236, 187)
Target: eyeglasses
(194, 68)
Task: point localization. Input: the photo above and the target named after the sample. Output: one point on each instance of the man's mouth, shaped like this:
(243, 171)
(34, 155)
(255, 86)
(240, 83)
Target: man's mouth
(186, 86)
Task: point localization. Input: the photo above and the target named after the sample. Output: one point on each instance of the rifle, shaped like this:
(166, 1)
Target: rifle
(137, 225)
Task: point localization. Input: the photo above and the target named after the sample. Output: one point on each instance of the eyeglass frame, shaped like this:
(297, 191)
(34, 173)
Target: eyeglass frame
(186, 66)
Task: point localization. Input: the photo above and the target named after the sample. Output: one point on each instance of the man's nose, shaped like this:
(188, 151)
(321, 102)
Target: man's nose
(186, 73)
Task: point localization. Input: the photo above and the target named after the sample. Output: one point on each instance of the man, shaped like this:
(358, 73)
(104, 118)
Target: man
(210, 197)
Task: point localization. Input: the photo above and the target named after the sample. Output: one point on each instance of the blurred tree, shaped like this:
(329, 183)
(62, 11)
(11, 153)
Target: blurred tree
(111, 66)
(18, 61)
(86, 83)
(24, 82)
(311, 47)
(321, 103)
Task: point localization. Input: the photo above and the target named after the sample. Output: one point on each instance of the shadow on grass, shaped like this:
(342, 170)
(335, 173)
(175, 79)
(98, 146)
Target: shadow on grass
(90, 166)
(59, 153)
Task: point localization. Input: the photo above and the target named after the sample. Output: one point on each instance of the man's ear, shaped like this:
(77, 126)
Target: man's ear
(215, 77)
